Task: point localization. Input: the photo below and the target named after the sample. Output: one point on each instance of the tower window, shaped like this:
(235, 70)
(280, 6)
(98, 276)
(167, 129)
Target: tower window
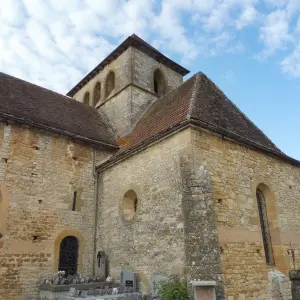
(97, 93)
(110, 84)
(159, 83)
(86, 99)
(264, 224)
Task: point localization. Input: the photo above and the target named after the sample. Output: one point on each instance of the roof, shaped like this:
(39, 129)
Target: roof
(30, 104)
(138, 43)
(200, 102)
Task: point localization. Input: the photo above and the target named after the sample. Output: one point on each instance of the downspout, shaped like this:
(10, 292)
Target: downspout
(96, 193)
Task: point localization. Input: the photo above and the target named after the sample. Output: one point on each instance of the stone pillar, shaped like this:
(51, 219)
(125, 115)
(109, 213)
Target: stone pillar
(295, 279)
(203, 262)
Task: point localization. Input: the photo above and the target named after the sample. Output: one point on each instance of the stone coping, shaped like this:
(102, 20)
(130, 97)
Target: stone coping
(203, 283)
(294, 275)
(79, 286)
(112, 297)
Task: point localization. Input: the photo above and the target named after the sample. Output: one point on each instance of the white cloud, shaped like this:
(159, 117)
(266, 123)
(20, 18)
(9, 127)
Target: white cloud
(54, 43)
(247, 16)
(291, 64)
(275, 32)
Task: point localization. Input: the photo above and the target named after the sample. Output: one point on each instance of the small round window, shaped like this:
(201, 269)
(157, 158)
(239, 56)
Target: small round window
(129, 205)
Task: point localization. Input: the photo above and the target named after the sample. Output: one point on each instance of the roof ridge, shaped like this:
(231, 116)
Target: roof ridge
(197, 77)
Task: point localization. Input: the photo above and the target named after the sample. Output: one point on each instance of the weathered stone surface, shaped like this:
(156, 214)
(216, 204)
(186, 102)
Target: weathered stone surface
(236, 172)
(41, 174)
(154, 242)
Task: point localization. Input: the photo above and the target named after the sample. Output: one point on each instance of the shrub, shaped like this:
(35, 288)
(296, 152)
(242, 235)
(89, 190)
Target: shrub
(173, 289)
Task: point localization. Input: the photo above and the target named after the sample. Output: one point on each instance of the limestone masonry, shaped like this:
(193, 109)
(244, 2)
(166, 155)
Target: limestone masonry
(164, 176)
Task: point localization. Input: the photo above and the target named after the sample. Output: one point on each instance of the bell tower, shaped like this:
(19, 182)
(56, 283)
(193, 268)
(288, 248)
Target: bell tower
(127, 82)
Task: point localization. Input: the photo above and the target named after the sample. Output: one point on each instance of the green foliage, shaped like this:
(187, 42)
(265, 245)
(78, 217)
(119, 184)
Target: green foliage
(174, 289)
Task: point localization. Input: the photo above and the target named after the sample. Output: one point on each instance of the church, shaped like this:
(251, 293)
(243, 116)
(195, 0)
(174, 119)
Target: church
(165, 176)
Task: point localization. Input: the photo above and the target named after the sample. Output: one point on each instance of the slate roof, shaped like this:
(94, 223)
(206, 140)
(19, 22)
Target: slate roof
(200, 102)
(30, 104)
(138, 43)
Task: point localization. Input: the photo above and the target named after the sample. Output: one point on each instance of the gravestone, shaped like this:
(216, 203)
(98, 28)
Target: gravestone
(155, 282)
(128, 280)
(102, 265)
(71, 292)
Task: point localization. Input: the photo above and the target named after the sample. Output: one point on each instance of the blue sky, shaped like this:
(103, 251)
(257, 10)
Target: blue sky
(249, 48)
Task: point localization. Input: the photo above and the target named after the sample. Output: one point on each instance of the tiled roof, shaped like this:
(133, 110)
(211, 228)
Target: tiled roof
(200, 102)
(27, 103)
(138, 43)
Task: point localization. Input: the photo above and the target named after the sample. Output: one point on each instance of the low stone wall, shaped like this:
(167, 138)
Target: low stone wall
(55, 292)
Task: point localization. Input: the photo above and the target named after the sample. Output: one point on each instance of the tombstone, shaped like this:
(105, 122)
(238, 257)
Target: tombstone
(128, 279)
(83, 294)
(71, 292)
(74, 280)
(102, 265)
(56, 280)
(155, 282)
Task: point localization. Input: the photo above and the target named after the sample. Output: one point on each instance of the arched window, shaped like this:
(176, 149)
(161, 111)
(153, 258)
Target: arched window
(97, 93)
(264, 224)
(68, 255)
(158, 83)
(110, 84)
(86, 99)
(129, 205)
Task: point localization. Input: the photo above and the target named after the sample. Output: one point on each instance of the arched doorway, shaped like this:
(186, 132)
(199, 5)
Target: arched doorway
(68, 255)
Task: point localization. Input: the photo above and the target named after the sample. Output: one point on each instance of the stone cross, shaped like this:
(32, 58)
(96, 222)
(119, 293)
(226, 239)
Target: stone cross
(102, 265)
(291, 251)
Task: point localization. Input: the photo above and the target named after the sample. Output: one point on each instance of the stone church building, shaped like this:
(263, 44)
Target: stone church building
(165, 176)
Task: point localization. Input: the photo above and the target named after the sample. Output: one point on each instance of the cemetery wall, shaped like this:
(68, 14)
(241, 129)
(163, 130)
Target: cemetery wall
(39, 172)
(236, 171)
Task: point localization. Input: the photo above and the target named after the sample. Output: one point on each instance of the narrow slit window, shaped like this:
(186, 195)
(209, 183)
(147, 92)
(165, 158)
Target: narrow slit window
(74, 201)
(97, 93)
(110, 84)
(86, 99)
(264, 224)
(159, 85)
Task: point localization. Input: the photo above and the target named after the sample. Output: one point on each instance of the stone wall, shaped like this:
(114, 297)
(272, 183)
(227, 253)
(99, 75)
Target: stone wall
(143, 68)
(125, 109)
(174, 229)
(41, 171)
(236, 171)
(202, 255)
(153, 243)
